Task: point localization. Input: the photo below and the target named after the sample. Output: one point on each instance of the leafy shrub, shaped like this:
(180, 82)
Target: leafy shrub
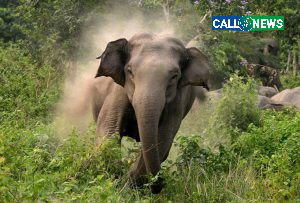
(27, 90)
(227, 59)
(274, 150)
(192, 152)
(267, 155)
(237, 108)
(290, 81)
(228, 51)
(202, 175)
(36, 166)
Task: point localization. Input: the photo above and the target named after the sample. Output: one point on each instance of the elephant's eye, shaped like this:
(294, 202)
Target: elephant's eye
(173, 78)
(130, 71)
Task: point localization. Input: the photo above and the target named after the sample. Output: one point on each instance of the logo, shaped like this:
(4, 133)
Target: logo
(248, 23)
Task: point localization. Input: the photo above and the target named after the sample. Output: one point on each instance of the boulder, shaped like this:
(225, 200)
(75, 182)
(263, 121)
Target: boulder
(266, 91)
(288, 96)
(267, 97)
(267, 103)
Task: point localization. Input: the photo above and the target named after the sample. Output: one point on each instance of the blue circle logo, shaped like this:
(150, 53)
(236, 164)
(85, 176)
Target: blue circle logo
(245, 23)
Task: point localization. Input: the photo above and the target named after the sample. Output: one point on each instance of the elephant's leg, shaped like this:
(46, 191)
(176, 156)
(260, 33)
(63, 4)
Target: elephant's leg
(95, 110)
(112, 112)
(167, 131)
(137, 172)
(169, 126)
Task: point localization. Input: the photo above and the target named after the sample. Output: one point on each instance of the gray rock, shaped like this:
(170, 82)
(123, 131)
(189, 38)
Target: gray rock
(266, 91)
(267, 97)
(267, 103)
(288, 96)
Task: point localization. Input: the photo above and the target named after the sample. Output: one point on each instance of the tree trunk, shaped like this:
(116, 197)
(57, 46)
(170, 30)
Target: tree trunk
(141, 2)
(289, 61)
(295, 62)
(166, 9)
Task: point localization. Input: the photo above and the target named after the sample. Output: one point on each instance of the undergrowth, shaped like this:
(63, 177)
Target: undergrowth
(259, 164)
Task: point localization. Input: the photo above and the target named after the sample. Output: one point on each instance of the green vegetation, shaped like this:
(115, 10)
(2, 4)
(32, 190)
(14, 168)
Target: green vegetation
(233, 116)
(291, 81)
(225, 152)
(28, 90)
(261, 164)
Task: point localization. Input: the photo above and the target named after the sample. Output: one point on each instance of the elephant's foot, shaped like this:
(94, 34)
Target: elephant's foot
(138, 177)
(137, 182)
(157, 186)
(140, 182)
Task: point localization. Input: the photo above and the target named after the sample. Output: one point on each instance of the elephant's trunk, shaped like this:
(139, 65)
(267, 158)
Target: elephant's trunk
(148, 105)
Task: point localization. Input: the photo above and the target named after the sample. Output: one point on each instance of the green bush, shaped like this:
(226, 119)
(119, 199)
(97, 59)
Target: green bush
(289, 81)
(236, 110)
(267, 155)
(34, 166)
(27, 90)
(261, 165)
(274, 150)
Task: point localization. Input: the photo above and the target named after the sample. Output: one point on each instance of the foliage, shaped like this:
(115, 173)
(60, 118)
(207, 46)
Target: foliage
(9, 31)
(27, 90)
(259, 164)
(191, 152)
(274, 151)
(237, 108)
(269, 152)
(36, 166)
(45, 26)
(290, 81)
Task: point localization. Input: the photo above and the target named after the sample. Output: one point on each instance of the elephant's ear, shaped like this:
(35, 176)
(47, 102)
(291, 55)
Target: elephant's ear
(196, 69)
(113, 60)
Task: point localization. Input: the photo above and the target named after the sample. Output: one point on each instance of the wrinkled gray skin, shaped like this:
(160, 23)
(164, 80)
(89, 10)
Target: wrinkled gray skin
(149, 88)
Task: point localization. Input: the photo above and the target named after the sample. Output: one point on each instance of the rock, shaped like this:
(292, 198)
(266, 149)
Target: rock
(267, 103)
(267, 97)
(288, 96)
(266, 91)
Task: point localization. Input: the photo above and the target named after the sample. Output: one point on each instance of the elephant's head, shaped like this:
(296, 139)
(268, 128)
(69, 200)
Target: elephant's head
(152, 70)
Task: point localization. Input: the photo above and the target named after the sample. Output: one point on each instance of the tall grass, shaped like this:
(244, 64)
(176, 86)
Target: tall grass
(261, 163)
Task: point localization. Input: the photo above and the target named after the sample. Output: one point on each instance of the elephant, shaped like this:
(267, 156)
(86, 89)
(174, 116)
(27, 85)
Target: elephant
(148, 86)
